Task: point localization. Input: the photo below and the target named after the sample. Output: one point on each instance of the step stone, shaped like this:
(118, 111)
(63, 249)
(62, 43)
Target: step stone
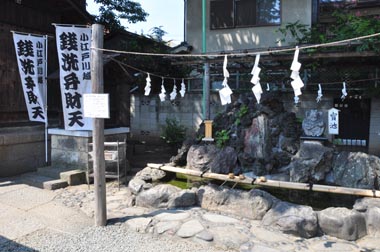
(55, 184)
(74, 177)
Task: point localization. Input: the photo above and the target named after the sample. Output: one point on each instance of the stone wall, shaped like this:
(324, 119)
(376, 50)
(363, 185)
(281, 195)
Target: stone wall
(22, 149)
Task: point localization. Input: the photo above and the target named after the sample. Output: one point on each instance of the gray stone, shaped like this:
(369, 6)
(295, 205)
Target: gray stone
(217, 218)
(205, 236)
(293, 219)
(253, 204)
(139, 224)
(229, 238)
(311, 163)
(151, 175)
(167, 226)
(363, 204)
(210, 158)
(136, 185)
(183, 198)
(342, 223)
(189, 229)
(55, 184)
(166, 196)
(75, 177)
(372, 217)
(357, 170)
(313, 124)
(172, 216)
(200, 156)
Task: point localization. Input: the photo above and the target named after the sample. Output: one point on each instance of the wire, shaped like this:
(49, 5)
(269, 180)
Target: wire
(156, 75)
(268, 51)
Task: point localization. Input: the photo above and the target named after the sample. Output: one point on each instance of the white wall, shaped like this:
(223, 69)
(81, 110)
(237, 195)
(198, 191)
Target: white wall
(242, 38)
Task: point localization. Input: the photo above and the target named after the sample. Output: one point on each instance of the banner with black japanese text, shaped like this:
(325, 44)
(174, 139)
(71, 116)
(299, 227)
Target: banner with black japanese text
(31, 60)
(73, 47)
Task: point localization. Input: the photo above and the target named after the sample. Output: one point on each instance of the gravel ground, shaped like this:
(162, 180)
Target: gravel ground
(112, 238)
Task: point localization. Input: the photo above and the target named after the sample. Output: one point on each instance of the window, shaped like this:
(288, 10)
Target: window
(240, 13)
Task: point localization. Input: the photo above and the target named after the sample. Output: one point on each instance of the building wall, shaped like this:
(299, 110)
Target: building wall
(148, 114)
(242, 38)
(22, 149)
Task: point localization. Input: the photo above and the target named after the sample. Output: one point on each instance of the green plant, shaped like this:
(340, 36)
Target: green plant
(242, 112)
(222, 137)
(173, 132)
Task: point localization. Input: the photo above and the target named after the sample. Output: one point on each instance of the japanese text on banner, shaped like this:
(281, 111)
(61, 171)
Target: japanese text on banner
(73, 46)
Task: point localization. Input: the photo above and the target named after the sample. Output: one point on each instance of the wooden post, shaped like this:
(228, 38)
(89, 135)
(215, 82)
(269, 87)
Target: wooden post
(98, 128)
(208, 131)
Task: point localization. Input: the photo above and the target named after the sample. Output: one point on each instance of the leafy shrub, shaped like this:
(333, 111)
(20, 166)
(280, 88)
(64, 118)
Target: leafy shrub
(173, 132)
(221, 138)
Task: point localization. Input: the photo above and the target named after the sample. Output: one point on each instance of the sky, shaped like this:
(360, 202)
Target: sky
(165, 13)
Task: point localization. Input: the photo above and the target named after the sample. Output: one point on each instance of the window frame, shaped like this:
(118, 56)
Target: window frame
(234, 19)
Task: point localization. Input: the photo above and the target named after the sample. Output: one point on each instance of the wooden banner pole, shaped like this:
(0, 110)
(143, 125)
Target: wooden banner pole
(98, 128)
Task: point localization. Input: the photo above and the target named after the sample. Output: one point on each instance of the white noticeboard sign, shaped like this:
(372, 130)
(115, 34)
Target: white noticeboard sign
(333, 121)
(96, 105)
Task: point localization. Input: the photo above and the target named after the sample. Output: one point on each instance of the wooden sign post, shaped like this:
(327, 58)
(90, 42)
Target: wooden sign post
(98, 128)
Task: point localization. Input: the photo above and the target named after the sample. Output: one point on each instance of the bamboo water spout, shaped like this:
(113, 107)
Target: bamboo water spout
(271, 183)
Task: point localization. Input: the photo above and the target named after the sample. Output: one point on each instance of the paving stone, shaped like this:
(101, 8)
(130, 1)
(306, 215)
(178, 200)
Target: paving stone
(205, 235)
(172, 216)
(369, 243)
(268, 236)
(229, 237)
(217, 218)
(190, 228)
(139, 224)
(165, 226)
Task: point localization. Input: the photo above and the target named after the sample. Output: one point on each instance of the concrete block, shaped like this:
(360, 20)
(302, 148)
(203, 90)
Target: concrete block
(55, 184)
(74, 177)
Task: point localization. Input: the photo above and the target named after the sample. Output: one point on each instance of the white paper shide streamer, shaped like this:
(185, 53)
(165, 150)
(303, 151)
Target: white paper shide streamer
(225, 92)
(148, 85)
(173, 94)
(257, 90)
(183, 89)
(319, 97)
(344, 91)
(297, 82)
(162, 95)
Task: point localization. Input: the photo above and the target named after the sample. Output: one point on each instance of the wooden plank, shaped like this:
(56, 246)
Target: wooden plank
(271, 183)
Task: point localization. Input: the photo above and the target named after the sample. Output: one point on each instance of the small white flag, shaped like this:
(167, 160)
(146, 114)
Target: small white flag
(148, 86)
(173, 94)
(225, 93)
(268, 87)
(344, 91)
(319, 97)
(183, 89)
(163, 91)
(257, 91)
(226, 74)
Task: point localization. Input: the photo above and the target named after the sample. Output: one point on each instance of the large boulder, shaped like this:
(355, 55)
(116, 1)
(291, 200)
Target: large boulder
(166, 196)
(252, 205)
(292, 219)
(210, 158)
(371, 209)
(342, 223)
(356, 170)
(311, 163)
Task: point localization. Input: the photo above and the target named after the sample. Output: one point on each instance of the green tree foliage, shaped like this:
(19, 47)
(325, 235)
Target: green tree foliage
(111, 11)
(347, 25)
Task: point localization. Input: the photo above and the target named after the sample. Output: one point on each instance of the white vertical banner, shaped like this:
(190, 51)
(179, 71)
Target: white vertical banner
(31, 60)
(333, 121)
(73, 47)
